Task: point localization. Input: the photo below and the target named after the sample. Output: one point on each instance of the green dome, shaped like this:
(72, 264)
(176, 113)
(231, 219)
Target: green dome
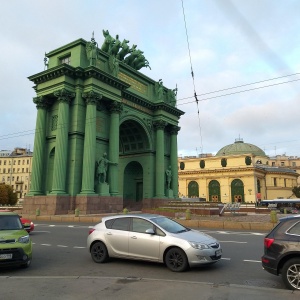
(239, 147)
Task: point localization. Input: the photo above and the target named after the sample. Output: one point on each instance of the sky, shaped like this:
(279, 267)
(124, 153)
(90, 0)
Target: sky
(244, 56)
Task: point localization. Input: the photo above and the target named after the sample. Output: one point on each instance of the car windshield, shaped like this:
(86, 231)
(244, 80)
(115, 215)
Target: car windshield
(169, 225)
(10, 223)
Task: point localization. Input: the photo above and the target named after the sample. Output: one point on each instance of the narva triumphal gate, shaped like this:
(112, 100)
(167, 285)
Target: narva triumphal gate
(106, 135)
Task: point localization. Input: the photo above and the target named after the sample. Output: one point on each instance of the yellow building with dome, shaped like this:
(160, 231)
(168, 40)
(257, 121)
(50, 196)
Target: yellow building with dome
(239, 172)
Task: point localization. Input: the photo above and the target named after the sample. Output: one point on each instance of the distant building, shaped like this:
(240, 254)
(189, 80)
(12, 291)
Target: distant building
(15, 169)
(290, 162)
(239, 172)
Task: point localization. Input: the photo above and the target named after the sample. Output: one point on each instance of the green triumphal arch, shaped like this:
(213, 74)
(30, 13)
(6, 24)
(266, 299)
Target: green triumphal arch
(106, 135)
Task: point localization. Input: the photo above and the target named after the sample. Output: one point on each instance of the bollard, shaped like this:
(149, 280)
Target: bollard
(37, 212)
(77, 211)
(187, 214)
(125, 211)
(285, 211)
(273, 215)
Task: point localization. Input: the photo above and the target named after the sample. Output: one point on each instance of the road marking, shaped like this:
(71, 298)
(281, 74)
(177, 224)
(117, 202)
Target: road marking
(48, 245)
(233, 242)
(51, 225)
(249, 260)
(226, 258)
(77, 247)
(71, 226)
(62, 246)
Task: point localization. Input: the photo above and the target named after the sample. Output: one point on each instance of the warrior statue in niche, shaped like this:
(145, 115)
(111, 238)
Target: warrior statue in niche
(102, 168)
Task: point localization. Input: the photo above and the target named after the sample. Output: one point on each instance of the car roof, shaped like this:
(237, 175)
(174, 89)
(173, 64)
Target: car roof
(144, 216)
(287, 218)
(7, 212)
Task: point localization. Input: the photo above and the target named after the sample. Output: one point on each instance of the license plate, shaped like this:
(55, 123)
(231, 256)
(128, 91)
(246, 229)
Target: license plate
(218, 252)
(6, 256)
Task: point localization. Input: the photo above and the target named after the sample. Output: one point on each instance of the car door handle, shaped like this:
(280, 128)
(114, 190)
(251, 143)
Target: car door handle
(109, 233)
(134, 237)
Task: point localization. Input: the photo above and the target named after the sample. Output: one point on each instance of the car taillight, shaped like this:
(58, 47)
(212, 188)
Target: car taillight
(268, 242)
(91, 230)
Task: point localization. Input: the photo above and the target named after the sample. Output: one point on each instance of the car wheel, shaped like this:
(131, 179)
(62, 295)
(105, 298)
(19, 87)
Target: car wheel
(99, 252)
(291, 274)
(176, 260)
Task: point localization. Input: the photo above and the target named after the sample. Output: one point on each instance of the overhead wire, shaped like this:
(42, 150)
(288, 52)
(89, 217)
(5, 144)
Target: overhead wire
(192, 73)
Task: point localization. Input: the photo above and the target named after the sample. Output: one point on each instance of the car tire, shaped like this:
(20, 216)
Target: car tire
(290, 274)
(176, 260)
(99, 253)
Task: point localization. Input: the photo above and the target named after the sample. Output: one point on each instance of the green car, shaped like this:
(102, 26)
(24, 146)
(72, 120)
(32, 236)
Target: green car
(15, 243)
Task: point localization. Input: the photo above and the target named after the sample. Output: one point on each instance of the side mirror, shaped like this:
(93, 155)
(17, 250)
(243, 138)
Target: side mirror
(150, 231)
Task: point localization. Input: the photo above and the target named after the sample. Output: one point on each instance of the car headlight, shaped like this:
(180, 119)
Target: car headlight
(199, 246)
(24, 239)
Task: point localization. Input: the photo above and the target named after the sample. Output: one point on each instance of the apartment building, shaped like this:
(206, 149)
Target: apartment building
(15, 169)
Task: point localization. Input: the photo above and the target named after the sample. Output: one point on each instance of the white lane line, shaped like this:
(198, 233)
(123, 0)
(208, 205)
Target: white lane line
(77, 247)
(48, 245)
(71, 226)
(235, 242)
(62, 246)
(249, 260)
(226, 258)
(51, 225)
(256, 233)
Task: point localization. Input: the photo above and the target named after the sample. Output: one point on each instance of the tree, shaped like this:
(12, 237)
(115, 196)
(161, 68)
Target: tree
(296, 191)
(7, 195)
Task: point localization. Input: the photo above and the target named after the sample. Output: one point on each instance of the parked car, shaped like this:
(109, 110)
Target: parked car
(282, 251)
(153, 238)
(15, 243)
(28, 225)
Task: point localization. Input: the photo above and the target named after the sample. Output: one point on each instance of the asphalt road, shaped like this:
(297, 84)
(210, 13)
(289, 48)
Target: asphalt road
(60, 253)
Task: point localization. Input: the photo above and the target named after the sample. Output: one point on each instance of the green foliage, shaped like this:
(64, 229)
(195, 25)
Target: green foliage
(7, 195)
(296, 191)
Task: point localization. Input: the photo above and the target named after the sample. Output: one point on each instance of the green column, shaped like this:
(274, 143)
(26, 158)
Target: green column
(89, 150)
(36, 187)
(114, 133)
(64, 98)
(160, 159)
(174, 160)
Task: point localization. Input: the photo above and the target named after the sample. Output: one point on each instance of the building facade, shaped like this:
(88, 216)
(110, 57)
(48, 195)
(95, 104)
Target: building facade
(15, 170)
(105, 133)
(239, 172)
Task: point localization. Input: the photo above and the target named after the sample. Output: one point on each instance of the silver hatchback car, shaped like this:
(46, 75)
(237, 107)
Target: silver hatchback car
(152, 238)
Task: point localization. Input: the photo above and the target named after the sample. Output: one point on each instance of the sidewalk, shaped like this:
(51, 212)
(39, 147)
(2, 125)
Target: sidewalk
(249, 222)
(90, 288)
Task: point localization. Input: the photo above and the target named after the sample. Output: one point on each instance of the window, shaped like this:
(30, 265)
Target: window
(4, 170)
(295, 229)
(282, 164)
(121, 224)
(4, 162)
(23, 161)
(3, 178)
(22, 170)
(9, 162)
(293, 164)
(275, 181)
(54, 122)
(66, 60)
(26, 170)
(284, 182)
(25, 187)
(14, 162)
(18, 170)
(13, 178)
(0, 162)
(8, 178)
(27, 161)
(273, 163)
(140, 225)
(14, 170)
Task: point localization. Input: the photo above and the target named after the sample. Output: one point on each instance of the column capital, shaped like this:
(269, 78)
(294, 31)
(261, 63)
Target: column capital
(174, 129)
(160, 124)
(91, 97)
(116, 107)
(41, 102)
(64, 95)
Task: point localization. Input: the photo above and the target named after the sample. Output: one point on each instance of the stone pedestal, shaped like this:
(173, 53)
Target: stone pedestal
(169, 193)
(102, 189)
